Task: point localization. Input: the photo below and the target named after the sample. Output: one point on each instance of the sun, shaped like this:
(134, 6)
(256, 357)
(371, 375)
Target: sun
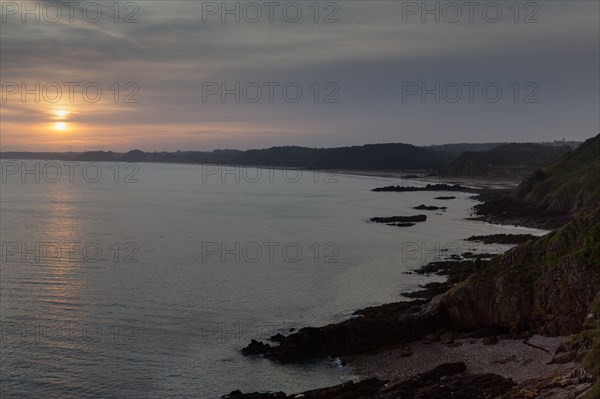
(61, 126)
(61, 113)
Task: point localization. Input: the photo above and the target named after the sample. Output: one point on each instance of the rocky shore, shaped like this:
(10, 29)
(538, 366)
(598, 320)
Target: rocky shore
(497, 205)
(521, 325)
(483, 303)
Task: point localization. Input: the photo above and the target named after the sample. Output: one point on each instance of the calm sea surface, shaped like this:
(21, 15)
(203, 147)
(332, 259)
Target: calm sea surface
(123, 282)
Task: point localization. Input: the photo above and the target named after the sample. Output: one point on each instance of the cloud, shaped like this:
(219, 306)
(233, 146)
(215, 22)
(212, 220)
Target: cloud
(370, 54)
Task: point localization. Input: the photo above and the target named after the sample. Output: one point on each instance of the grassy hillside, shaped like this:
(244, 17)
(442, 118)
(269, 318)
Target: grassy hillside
(507, 161)
(571, 184)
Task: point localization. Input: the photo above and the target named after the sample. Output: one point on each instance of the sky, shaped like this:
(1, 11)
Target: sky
(194, 75)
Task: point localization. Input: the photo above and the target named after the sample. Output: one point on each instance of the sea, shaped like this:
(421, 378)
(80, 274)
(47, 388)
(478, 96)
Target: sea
(146, 280)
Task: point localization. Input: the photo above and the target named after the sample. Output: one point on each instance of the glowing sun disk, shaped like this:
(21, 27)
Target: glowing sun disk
(60, 126)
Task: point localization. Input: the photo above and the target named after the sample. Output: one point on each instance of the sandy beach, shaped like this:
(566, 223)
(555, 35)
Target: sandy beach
(509, 358)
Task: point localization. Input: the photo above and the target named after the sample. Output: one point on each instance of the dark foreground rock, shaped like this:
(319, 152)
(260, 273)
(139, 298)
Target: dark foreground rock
(372, 328)
(400, 219)
(503, 238)
(449, 381)
(429, 187)
(443, 382)
(445, 198)
(277, 337)
(368, 388)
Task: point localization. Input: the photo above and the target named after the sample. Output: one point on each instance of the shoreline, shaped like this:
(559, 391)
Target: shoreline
(517, 362)
(521, 358)
(480, 183)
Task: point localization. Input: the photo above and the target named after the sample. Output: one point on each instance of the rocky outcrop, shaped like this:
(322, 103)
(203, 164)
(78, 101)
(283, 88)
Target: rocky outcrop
(400, 219)
(546, 285)
(372, 328)
(449, 381)
(256, 348)
(443, 382)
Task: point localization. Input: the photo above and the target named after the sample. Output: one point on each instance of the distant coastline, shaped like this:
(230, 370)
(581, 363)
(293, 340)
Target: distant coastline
(475, 164)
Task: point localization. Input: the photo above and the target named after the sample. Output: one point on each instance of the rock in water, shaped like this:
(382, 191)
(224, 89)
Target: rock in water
(256, 348)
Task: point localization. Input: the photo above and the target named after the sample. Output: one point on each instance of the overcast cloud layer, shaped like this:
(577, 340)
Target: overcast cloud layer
(375, 53)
